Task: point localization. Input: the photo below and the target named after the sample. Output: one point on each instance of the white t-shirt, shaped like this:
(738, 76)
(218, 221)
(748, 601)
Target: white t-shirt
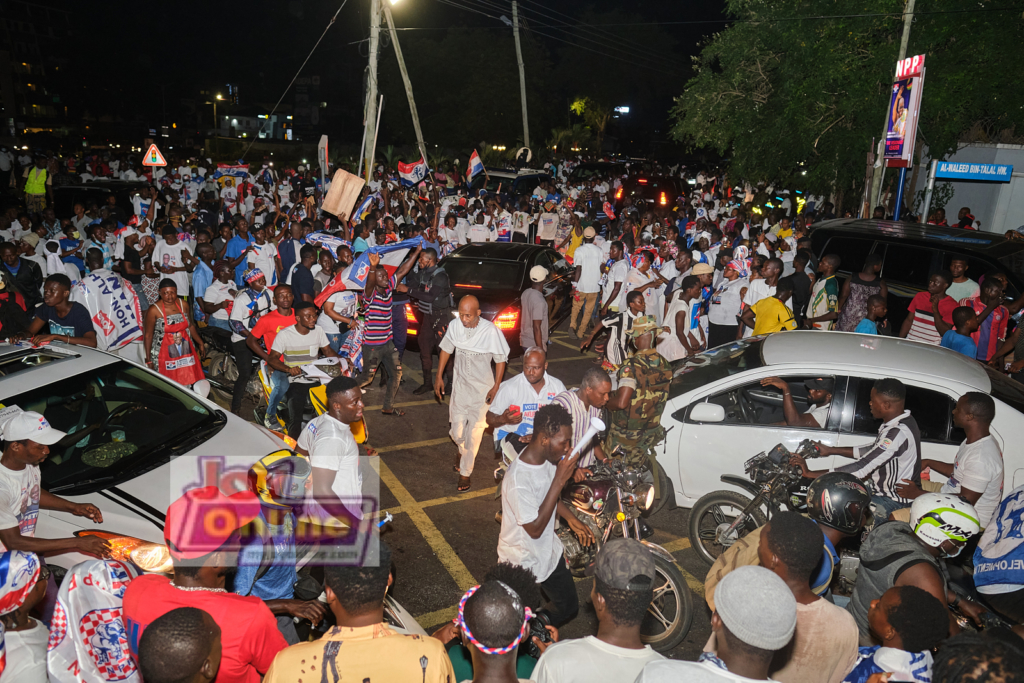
(19, 499)
(26, 654)
(170, 255)
(345, 303)
(588, 258)
(616, 273)
(299, 349)
(331, 446)
(672, 671)
(978, 466)
(522, 492)
(756, 290)
(820, 413)
(584, 660)
(263, 257)
(218, 292)
(518, 392)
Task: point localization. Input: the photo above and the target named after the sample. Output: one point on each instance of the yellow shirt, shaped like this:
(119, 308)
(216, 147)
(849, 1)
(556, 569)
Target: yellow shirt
(771, 315)
(375, 653)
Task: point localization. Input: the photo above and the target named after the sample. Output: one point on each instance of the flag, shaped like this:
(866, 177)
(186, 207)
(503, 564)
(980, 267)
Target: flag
(322, 239)
(366, 207)
(354, 276)
(412, 174)
(113, 308)
(475, 168)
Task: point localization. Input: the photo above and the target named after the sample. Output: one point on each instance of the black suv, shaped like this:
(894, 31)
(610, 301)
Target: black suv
(912, 251)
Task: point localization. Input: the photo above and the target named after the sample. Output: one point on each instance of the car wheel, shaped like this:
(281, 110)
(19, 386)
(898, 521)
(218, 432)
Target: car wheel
(712, 515)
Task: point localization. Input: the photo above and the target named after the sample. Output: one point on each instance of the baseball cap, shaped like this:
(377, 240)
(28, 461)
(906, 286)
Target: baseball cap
(589, 233)
(625, 564)
(757, 607)
(31, 426)
(538, 274)
(203, 519)
(820, 384)
(702, 269)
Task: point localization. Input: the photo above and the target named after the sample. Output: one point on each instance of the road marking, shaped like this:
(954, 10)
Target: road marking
(441, 616)
(414, 444)
(574, 348)
(405, 404)
(442, 549)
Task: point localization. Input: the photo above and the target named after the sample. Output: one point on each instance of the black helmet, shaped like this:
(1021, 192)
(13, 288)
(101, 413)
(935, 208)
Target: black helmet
(838, 500)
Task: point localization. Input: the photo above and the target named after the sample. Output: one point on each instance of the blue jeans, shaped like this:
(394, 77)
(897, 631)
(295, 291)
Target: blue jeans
(279, 382)
(338, 340)
(219, 323)
(882, 507)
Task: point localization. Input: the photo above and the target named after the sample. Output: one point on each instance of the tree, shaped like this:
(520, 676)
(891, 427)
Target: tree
(596, 114)
(782, 97)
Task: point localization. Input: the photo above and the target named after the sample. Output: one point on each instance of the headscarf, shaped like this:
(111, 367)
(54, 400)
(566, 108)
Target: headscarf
(253, 275)
(19, 572)
(88, 641)
(672, 248)
(53, 263)
(741, 266)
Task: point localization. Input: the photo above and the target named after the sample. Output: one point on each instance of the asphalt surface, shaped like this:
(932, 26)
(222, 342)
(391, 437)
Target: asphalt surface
(444, 542)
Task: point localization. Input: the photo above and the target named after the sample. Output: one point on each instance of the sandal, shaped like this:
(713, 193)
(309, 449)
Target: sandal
(463, 483)
(394, 411)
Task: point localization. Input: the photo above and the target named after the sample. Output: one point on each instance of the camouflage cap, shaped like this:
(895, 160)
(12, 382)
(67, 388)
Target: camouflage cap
(625, 564)
(642, 325)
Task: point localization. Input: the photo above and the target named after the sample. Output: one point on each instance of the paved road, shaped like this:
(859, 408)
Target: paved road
(443, 541)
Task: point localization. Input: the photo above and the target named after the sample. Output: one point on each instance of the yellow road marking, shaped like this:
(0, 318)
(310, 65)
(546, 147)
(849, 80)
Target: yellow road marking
(438, 618)
(404, 404)
(442, 549)
(446, 499)
(570, 346)
(414, 444)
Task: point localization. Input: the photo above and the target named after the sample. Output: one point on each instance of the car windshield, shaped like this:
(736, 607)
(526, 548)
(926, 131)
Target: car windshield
(1006, 390)
(483, 273)
(120, 420)
(723, 361)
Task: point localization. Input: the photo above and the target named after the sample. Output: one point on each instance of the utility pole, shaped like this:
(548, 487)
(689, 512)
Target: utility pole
(876, 183)
(408, 83)
(371, 89)
(522, 72)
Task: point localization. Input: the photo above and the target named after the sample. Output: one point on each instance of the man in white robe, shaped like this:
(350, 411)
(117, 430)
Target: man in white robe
(475, 343)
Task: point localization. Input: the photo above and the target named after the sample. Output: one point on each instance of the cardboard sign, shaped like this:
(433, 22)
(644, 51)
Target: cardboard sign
(342, 196)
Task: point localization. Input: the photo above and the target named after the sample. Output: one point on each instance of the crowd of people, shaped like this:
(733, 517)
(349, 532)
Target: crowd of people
(208, 257)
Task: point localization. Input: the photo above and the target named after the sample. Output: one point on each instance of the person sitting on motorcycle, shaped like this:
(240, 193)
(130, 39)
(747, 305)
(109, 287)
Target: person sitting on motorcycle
(636, 406)
(900, 554)
(530, 495)
(909, 623)
(624, 576)
(819, 391)
(266, 562)
(837, 501)
(894, 456)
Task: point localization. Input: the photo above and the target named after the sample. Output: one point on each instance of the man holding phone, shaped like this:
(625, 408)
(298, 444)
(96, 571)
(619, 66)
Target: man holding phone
(514, 406)
(529, 498)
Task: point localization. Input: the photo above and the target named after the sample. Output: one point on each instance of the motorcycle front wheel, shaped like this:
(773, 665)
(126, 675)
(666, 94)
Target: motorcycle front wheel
(670, 615)
(715, 512)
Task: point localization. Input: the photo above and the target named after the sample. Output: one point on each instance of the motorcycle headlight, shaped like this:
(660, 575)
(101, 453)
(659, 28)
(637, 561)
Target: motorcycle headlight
(645, 494)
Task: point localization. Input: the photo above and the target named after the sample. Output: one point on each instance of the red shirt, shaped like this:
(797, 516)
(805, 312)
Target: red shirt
(269, 325)
(248, 630)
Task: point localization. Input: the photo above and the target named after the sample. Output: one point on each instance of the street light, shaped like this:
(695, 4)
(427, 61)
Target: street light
(216, 124)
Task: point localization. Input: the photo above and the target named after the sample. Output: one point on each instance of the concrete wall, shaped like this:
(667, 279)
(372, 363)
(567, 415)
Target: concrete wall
(998, 206)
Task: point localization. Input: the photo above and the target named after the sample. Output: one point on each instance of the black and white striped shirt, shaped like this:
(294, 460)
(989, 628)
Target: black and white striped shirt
(894, 456)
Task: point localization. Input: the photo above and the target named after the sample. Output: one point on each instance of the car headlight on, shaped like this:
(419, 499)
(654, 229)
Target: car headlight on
(645, 496)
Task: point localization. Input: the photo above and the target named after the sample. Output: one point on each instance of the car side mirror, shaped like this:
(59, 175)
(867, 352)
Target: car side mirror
(707, 412)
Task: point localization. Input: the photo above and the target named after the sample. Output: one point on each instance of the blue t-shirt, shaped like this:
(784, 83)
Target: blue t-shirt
(201, 279)
(867, 326)
(75, 324)
(359, 245)
(66, 244)
(278, 582)
(236, 245)
(959, 343)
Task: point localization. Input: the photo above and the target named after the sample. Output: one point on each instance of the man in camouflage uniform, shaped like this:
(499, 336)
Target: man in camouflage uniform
(635, 408)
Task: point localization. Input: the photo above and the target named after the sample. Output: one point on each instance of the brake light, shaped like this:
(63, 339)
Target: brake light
(618, 193)
(459, 284)
(508, 319)
(664, 199)
(410, 317)
(642, 181)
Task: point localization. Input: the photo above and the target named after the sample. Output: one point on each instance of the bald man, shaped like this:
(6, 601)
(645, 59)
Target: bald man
(476, 343)
(518, 399)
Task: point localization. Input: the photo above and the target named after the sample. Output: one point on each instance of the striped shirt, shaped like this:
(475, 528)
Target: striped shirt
(894, 456)
(378, 315)
(992, 331)
(571, 401)
(923, 329)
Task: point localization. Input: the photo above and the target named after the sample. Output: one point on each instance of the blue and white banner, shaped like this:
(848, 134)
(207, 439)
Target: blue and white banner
(328, 241)
(997, 173)
(113, 307)
(391, 257)
(412, 174)
(999, 558)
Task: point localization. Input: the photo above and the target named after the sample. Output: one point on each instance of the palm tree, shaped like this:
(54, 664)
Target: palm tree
(597, 116)
(389, 157)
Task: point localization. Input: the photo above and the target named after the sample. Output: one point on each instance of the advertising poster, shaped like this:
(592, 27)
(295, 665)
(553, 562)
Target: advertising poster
(904, 107)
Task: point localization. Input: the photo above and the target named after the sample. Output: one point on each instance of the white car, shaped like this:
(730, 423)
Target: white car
(719, 416)
(145, 439)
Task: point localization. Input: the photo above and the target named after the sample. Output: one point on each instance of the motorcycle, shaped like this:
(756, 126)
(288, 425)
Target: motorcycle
(610, 502)
(721, 518)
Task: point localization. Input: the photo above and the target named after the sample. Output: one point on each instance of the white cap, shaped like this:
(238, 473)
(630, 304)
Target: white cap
(32, 426)
(538, 274)
(301, 168)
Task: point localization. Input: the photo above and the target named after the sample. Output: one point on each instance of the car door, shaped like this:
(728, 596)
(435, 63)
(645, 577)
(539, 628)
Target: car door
(753, 423)
(930, 405)
(559, 284)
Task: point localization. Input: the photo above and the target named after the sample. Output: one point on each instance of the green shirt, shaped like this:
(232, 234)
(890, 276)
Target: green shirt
(649, 375)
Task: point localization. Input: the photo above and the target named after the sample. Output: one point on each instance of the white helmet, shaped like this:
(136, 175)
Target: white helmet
(940, 517)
